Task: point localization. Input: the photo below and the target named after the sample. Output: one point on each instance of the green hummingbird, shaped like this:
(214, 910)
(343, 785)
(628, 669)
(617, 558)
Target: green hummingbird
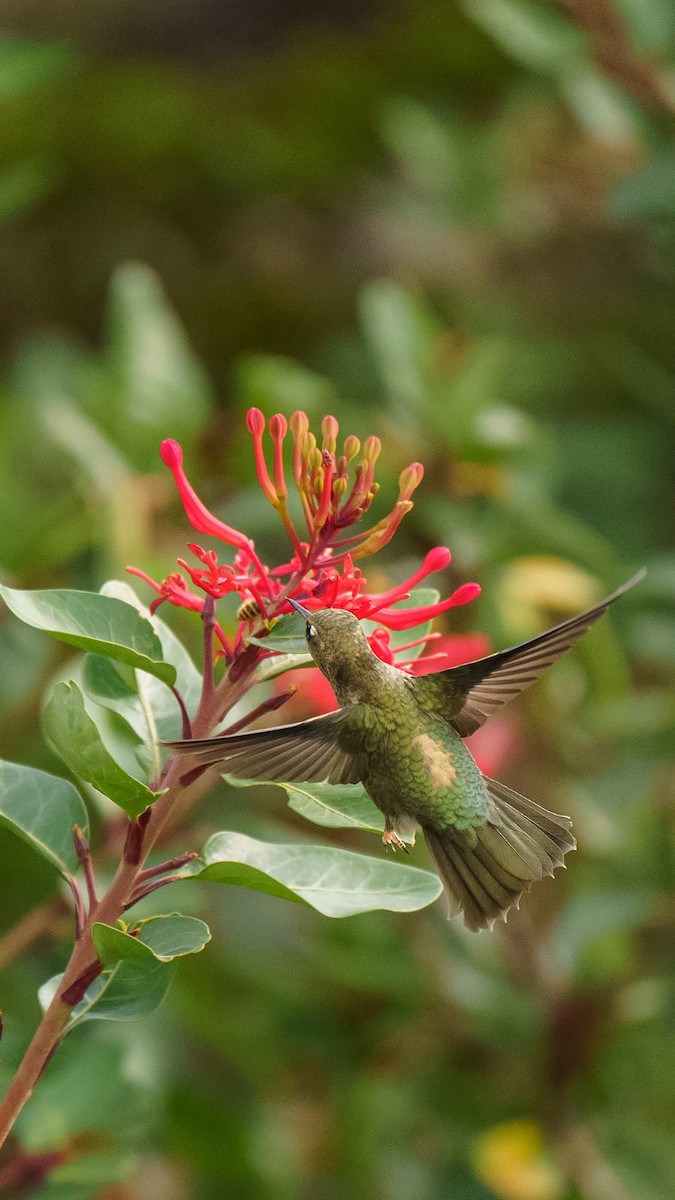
(401, 736)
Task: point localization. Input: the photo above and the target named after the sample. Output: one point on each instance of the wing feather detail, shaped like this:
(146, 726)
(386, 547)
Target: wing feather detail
(478, 689)
(312, 751)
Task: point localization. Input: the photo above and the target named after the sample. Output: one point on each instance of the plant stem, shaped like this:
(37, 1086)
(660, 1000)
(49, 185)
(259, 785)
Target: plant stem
(208, 620)
(52, 1025)
(107, 910)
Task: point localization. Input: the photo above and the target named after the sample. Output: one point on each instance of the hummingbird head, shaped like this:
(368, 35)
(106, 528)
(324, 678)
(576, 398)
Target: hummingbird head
(336, 642)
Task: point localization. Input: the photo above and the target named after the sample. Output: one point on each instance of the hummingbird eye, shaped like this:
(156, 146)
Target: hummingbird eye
(310, 631)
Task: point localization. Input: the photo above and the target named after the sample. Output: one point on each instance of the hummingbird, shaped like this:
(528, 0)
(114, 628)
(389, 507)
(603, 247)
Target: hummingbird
(402, 738)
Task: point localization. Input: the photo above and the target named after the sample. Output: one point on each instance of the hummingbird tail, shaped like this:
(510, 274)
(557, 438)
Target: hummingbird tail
(486, 870)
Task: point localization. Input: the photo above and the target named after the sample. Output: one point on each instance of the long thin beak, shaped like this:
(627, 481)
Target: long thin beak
(298, 608)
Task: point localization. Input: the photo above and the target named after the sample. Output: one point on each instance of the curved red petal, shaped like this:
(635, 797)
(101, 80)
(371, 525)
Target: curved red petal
(197, 513)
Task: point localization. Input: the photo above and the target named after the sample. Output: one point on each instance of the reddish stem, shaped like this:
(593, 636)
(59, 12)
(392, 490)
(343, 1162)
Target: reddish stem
(267, 706)
(80, 913)
(84, 855)
(208, 621)
(184, 715)
(171, 864)
(141, 893)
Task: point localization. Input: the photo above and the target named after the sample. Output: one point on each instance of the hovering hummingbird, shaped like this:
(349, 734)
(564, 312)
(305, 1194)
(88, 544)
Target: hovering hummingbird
(401, 737)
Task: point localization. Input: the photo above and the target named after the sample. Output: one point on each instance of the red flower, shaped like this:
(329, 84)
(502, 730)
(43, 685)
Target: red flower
(451, 650)
(174, 589)
(495, 744)
(321, 571)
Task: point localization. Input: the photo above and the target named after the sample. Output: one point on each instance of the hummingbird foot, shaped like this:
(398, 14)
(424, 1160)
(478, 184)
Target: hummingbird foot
(393, 842)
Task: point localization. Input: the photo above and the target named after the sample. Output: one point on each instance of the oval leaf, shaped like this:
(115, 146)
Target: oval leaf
(174, 935)
(335, 882)
(163, 938)
(128, 988)
(42, 809)
(102, 683)
(338, 806)
(69, 727)
(188, 679)
(271, 667)
(286, 637)
(103, 624)
(114, 945)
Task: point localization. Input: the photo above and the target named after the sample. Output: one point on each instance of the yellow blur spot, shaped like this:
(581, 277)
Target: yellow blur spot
(539, 591)
(511, 1159)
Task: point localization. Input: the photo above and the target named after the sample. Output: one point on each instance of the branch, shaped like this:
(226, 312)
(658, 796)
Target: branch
(41, 922)
(615, 55)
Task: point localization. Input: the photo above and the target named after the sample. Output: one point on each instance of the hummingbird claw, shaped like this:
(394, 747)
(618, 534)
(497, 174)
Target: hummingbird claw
(393, 842)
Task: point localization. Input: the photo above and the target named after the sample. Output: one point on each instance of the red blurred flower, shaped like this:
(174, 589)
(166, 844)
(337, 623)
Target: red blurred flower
(450, 650)
(313, 694)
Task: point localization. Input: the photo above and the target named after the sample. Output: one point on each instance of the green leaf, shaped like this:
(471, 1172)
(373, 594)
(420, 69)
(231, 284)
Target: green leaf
(402, 336)
(91, 622)
(113, 945)
(76, 738)
(541, 40)
(337, 806)
(279, 663)
(88, 1088)
(42, 809)
(335, 882)
(161, 703)
(589, 918)
(163, 385)
(128, 988)
(103, 683)
(163, 938)
(138, 970)
(287, 636)
(26, 65)
(282, 384)
(174, 936)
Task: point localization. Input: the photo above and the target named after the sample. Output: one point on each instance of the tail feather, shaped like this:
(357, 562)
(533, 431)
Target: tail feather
(486, 870)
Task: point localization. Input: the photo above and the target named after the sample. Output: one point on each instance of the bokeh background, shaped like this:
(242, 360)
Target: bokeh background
(453, 225)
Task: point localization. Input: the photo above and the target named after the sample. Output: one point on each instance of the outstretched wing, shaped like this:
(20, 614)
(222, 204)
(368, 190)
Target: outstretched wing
(313, 751)
(473, 692)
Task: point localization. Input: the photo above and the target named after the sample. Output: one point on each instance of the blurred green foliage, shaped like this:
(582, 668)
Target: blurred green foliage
(452, 225)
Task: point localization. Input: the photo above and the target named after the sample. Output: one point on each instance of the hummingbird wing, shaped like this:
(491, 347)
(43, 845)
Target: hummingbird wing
(310, 751)
(473, 692)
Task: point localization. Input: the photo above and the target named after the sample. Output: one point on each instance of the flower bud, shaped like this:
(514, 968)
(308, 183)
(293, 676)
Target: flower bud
(197, 513)
(351, 447)
(329, 429)
(278, 426)
(410, 479)
(382, 533)
(171, 454)
(465, 594)
(372, 448)
(278, 431)
(255, 422)
(436, 560)
(299, 423)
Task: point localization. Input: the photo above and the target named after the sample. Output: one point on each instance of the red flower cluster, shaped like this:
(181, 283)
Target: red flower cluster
(321, 572)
